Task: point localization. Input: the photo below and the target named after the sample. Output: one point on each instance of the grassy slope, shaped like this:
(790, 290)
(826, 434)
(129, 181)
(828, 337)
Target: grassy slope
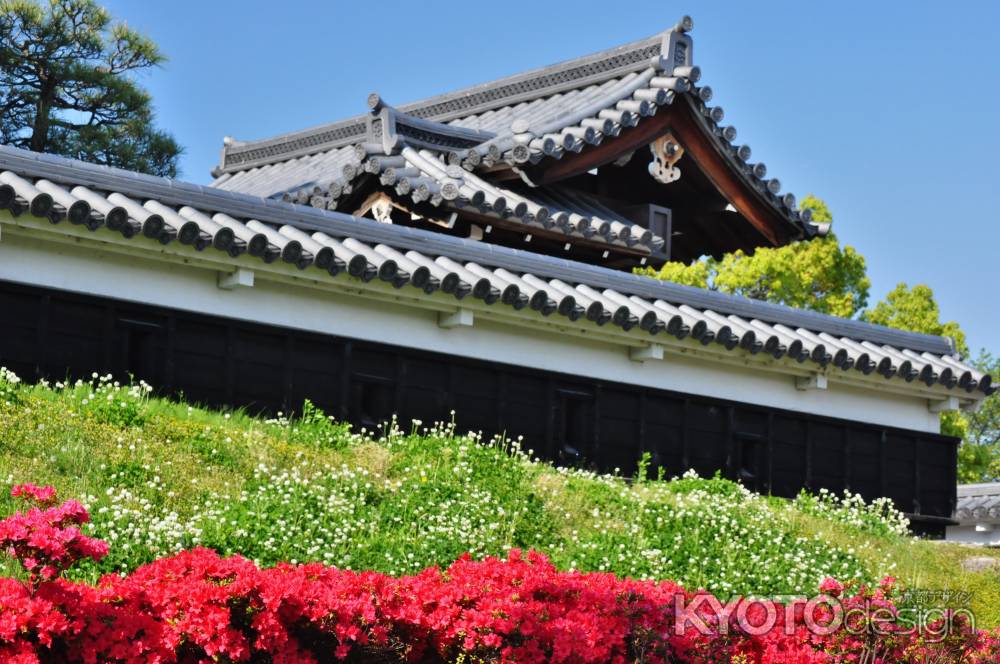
(312, 490)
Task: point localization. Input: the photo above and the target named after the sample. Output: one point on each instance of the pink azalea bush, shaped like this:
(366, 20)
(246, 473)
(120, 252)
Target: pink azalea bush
(45, 539)
(197, 606)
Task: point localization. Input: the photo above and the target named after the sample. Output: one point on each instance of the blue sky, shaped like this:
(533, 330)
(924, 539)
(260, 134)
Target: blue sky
(888, 111)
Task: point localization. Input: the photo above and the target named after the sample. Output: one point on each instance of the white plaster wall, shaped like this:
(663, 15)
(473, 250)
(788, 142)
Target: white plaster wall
(968, 533)
(177, 285)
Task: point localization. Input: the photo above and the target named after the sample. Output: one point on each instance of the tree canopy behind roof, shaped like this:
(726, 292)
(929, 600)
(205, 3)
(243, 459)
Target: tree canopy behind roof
(915, 309)
(67, 87)
(820, 274)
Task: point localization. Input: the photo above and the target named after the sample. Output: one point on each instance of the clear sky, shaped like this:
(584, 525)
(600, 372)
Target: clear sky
(890, 111)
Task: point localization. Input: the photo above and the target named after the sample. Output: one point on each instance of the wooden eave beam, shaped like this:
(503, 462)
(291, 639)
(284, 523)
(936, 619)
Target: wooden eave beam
(681, 119)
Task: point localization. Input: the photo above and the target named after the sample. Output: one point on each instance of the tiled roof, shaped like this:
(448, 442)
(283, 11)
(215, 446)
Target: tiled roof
(514, 121)
(978, 501)
(422, 175)
(495, 100)
(337, 247)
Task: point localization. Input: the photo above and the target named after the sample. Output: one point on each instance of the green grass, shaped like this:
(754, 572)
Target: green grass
(159, 475)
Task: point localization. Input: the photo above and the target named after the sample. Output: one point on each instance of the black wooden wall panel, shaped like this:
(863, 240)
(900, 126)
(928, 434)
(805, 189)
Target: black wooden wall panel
(901, 458)
(618, 435)
(528, 411)
(200, 360)
(828, 465)
(258, 362)
(937, 495)
(706, 432)
(138, 344)
(572, 420)
(74, 339)
(788, 456)
(316, 368)
(865, 471)
(664, 438)
(475, 398)
(425, 391)
(21, 314)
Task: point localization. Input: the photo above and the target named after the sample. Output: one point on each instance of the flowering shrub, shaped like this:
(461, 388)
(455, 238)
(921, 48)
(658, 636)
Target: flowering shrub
(453, 494)
(9, 382)
(879, 517)
(107, 400)
(198, 607)
(44, 539)
(302, 488)
(169, 477)
(41, 496)
(312, 427)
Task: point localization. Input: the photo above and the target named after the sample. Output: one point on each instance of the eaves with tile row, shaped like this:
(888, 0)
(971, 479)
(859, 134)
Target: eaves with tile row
(978, 501)
(335, 246)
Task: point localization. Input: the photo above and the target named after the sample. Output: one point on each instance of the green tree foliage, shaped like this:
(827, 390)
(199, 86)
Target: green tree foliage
(979, 455)
(915, 309)
(66, 86)
(984, 424)
(820, 210)
(820, 274)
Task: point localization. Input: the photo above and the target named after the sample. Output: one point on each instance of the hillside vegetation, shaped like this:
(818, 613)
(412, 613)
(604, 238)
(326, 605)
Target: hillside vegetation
(160, 476)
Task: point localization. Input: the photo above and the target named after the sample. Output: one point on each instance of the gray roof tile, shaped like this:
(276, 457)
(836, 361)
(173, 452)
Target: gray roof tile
(978, 502)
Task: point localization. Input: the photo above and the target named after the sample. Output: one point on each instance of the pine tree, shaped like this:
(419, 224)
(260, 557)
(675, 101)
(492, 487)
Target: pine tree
(67, 87)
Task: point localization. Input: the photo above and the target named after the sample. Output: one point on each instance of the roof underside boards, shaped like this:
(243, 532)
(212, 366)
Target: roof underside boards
(148, 209)
(518, 123)
(978, 502)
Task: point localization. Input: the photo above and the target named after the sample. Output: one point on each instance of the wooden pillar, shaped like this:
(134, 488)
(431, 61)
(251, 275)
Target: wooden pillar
(953, 471)
(770, 451)
(809, 456)
(41, 339)
(230, 375)
(883, 478)
(641, 428)
(732, 454)
(107, 342)
(685, 453)
(400, 391)
(288, 378)
(502, 409)
(550, 419)
(168, 369)
(596, 436)
(847, 458)
(345, 383)
(448, 393)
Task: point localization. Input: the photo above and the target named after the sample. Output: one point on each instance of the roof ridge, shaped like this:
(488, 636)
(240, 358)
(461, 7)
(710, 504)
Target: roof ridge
(515, 88)
(574, 72)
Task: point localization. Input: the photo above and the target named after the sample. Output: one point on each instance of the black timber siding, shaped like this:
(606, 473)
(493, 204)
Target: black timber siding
(569, 419)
